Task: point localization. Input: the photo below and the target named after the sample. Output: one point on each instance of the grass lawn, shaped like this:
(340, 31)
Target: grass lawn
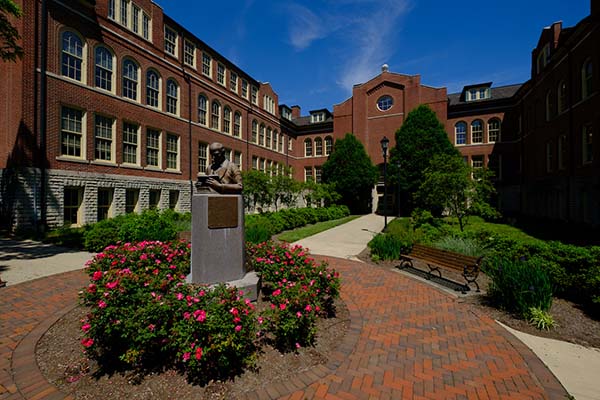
(309, 230)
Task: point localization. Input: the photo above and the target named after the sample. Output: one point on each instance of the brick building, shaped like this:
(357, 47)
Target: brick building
(114, 105)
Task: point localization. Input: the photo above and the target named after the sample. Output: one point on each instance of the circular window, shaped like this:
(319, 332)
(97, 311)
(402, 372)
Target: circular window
(385, 103)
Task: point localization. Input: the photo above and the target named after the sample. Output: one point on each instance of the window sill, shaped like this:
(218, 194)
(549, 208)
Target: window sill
(153, 168)
(130, 166)
(172, 171)
(72, 159)
(103, 162)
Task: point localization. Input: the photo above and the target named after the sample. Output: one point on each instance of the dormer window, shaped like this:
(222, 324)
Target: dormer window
(478, 94)
(317, 117)
(286, 113)
(543, 58)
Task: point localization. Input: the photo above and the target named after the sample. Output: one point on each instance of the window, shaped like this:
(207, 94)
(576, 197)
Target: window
(135, 18)
(131, 200)
(170, 41)
(72, 205)
(146, 26)
(562, 151)
(588, 155)
(206, 63)
(244, 88)
(281, 142)
(254, 162)
(549, 157)
(233, 81)
(254, 95)
(173, 199)
(586, 79)
(153, 148)
(202, 157)
(261, 135)
(189, 53)
(172, 151)
(237, 159)
(549, 106)
(72, 56)
(318, 147)
(111, 9)
(494, 130)
(328, 145)
(318, 173)
(477, 161)
(460, 133)
(202, 109)
(254, 131)
(215, 114)
(71, 134)
(384, 103)
(478, 94)
(226, 120)
(130, 143)
(152, 89)
(221, 74)
(153, 198)
(269, 137)
(275, 140)
(562, 97)
(172, 96)
(104, 68)
(317, 117)
(308, 148)
(476, 131)
(130, 79)
(308, 174)
(543, 58)
(269, 104)
(105, 197)
(237, 125)
(103, 132)
(124, 12)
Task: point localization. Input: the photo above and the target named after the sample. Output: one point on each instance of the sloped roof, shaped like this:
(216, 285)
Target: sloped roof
(498, 93)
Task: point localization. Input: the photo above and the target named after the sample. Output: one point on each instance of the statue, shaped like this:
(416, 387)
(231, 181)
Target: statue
(222, 176)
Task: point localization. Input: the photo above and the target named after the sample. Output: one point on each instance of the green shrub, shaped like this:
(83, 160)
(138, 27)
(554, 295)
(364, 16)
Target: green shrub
(540, 319)
(389, 247)
(258, 232)
(67, 236)
(102, 234)
(466, 246)
(518, 286)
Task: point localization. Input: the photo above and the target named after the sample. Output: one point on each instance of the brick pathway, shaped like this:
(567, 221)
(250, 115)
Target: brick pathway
(407, 340)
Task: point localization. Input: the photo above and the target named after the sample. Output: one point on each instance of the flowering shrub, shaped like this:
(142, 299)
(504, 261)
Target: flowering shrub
(298, 289)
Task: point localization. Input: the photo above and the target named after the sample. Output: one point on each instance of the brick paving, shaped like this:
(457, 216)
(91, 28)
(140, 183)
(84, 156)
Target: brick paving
(407, 340)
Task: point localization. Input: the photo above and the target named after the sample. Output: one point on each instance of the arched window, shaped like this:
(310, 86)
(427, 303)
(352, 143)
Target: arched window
(281, 142)
(494, 130)
(460, 133)
(269, 137)
(254, 131)
(152, 89)
(562, 97)
(328, 145)
(202, 109)
(308, 151)
(227, 120)
(237, 124)
(215, 115)
(130, 79)
(104, 68)
(72, 56)
(261, 135)
(318, 147)
(275, 139)
(477, 131)
(586, 79)
(172, 96)
(549, 105)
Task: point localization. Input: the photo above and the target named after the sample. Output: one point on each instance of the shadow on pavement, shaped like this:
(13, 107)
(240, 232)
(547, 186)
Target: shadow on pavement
(28, 250)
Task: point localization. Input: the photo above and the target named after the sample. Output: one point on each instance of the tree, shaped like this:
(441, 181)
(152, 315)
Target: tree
(257, 190)
(352, 173)
(284, 189)
(320, 193)
(421, 137)
(9, 49)
(448, 186)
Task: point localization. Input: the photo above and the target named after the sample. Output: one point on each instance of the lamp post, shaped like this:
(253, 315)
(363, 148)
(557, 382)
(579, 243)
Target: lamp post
(384, 148)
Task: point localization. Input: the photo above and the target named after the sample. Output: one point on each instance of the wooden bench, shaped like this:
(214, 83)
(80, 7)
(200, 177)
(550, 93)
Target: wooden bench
(436, 258)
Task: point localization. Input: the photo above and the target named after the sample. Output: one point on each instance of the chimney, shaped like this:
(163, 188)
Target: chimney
(295, 112)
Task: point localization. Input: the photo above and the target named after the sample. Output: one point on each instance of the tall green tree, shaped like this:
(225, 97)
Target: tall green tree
(320, 193)
(9, 36)
(452, 186)
(284, 189)
(257, 190)
(352, 173)
(421, 137)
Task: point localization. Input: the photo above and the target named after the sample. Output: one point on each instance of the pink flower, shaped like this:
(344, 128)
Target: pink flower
(238, 328)
(151, 327)
(144, 257)
(179, 296)
(97, 276)
(112, 285)
(86, 327)
(102, 304)
(186, 356)
(298, 345)
(91, 288)
(172, 266)
(260, 320)
(277, 292)
(198, 353)
(87, 342)
(308, 308)
(186, 315)
(200, 315)
(282, 307)
(299, 314)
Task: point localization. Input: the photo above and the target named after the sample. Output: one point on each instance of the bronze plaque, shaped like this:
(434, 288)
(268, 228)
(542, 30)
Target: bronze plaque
(222, 212)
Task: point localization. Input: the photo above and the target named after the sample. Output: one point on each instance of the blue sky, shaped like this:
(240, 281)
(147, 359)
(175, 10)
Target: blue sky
(313, 51)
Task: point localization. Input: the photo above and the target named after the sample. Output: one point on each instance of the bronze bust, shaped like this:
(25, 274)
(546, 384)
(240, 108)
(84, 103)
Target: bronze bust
(222, 176)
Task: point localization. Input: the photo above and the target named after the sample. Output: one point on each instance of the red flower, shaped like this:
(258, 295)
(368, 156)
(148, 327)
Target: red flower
(198, 353)
(97, 276)
(87, 342)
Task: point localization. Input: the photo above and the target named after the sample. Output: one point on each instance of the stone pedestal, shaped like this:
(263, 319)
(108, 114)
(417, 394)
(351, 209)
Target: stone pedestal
(218, 250)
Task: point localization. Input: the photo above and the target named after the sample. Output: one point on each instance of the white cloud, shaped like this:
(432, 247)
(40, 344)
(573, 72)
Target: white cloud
(305, 26)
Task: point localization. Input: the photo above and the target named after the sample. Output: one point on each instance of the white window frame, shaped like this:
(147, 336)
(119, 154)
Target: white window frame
(478, 132)
(157, 89)
(82, 59)
(82, 134)
(244, 89)
(221, 72)
(233, 81)
(457, 132)
(103, 138)
(187, 45)
(237, 124)
(206, 64)
(111, 71)
(227, 114)
(203, 111)
(157, 149)
(254, 95)
(137, 81)
(202, 157)
(498, 131)
(308, 147)
(137, 144)
(177, 152)
(171, 98)
(174, 42)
